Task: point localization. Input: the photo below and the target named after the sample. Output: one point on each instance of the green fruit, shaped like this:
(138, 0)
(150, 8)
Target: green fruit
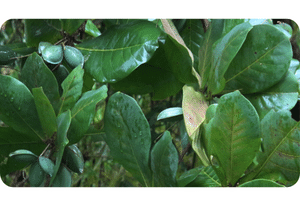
(53, 54)
(5, 55)
(63, 178)
(23, 156)
(37, 175)
(47, 165)
(42, 46)
(73, 56)
(73, 159)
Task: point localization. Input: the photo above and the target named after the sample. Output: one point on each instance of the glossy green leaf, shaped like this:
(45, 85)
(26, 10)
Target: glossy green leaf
(149, 78)
(192, 34)
(261, 183)
(72, 88)
(17, 108)
(47, 165)
(164, 162)
(235, 137)
(200, 177)
(37, 176)
(169, 113)
(133, 44)
(63, 178)
(5, 55)
(83, 113)
(261, 62)
(71, 25)
(63, 124)
(45, 111)
(281, 141)
(223, 52)
(184, 137)
(91, 29)
(35, 73)
(281, 96)
(213, 33)
(73, 159)
(128, 136)
(42, 30)
(21, 48)
(286, 29)
(231, 23)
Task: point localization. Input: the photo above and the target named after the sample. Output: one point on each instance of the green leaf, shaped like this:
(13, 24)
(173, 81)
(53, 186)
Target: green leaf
(164, 162)
(47, 165)
(60, 74)
(35, 73)
(42, 30)
(128, 136)
(193, 35)
(63, 124)
(71, 25)
(91, 29)
(261, 62)
(133, 44)
(235, 137)
(281, 96)
(213, 33)
(17, 108)
(261, 183)
(170, 113)
(72, 88)
(223, 52)
(73, 159)
(83, 113)
(6, 55)
(63, 178)
(21, 48)
(45, 111)
(37, 176)
(281, 141)
(200, 177)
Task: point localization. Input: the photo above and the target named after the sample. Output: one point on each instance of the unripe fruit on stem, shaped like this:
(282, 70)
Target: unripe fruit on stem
(73, 159)
(73, 56)
(42, 46)
(53, 54)
(23, 156)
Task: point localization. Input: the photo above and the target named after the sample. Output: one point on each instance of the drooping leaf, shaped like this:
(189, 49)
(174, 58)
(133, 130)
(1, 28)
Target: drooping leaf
(281, 96)
(223, 52)
(128, 136)
(35, 73)
(200, 177)
(133, 44)
(281, 141)
(42, 30)
(83, 113)
(17, 108)
(91, 29)
(63, 124)
(213, 33)
(235, 136)
(261, 183)
(192, 34)
(261, 62)
(63, 178)
(164, 162)
(45, 111)
(169, 113)
(47, 165)
(72, 89)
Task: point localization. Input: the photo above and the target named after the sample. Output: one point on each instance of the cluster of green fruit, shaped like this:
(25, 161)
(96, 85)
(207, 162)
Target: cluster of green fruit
(41, 166)
(54, 54)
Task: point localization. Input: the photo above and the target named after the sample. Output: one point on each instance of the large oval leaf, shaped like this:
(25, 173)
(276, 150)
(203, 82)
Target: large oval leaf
(261, 62)
(128, 136)
(261, 183)
(283, 95)
(120, 50)
(235, 137)
(164, 162)
(281, 141)
(17, 108)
